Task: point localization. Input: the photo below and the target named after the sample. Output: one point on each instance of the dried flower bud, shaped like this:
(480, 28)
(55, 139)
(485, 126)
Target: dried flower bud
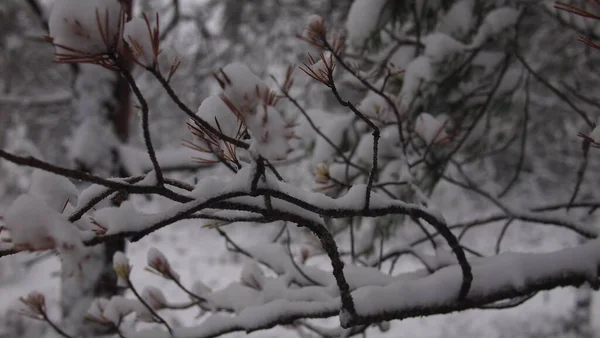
(315, 32)
(322, 173)
(36, 304)
(122, 268)
(304, 254)
(316, 28)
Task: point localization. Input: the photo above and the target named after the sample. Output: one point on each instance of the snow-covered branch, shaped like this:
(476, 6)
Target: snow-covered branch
(506, 276)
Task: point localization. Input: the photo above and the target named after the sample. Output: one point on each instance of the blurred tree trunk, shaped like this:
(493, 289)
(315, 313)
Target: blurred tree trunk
(580, 323)
(102, 105)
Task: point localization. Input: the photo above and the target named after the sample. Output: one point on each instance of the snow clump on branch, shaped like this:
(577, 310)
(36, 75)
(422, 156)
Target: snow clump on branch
(430, 129)
(244, 89)
(363, 19)
(36, 226)
(248, 98)
(81, 29)
(55, 190)
(142, 39)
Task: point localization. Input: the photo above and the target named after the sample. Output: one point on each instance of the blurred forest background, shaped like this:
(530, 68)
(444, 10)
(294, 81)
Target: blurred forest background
(525, 149)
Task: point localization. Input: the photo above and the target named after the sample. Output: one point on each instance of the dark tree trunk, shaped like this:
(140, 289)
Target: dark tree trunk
(112, 112)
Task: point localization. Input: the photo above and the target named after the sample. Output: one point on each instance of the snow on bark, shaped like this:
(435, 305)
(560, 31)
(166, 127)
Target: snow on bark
(90, 193)
(124, 218)
(494, 278)
(407, 295)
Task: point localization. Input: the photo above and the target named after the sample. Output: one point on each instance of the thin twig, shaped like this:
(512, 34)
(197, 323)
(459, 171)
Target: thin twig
(152, 311)
(145, 123)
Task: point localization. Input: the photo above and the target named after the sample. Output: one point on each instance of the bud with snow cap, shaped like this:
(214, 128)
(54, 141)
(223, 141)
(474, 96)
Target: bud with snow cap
(252, 276)
(158, 264)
